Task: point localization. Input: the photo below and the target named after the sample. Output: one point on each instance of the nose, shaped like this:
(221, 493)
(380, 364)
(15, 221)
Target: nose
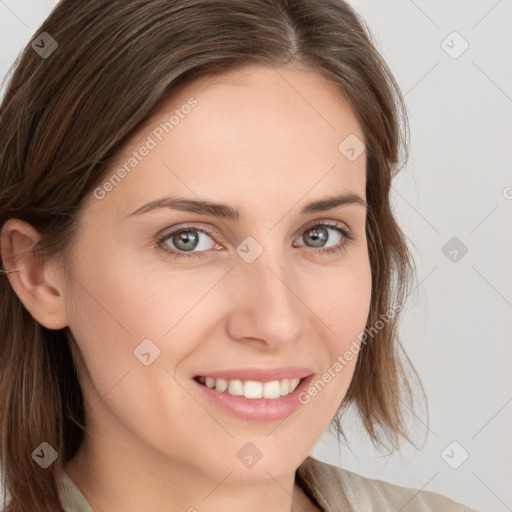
(265, 304)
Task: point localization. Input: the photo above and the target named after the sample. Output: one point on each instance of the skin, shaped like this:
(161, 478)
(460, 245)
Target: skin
(262, 140)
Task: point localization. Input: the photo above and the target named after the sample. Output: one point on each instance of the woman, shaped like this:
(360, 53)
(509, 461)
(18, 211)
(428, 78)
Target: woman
(202, 270)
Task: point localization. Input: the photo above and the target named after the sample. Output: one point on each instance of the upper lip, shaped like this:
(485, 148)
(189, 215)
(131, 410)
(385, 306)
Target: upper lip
(259, 374)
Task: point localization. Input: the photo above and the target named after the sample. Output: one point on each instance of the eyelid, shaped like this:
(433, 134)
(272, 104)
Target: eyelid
(166, 233)
(213, 233)
(328, 222)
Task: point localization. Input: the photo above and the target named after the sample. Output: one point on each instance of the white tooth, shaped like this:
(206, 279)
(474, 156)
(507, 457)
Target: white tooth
(221, 385)
(235, 387)
(284, 387)
(201, 379)
(271, 389)
(253, 389)
(293, 384)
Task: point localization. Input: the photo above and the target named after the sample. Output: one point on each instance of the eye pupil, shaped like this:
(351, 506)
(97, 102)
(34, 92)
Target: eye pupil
(183, 240)
(319, 236)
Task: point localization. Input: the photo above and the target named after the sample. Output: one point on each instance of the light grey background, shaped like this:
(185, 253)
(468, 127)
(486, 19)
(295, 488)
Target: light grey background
(456, 328)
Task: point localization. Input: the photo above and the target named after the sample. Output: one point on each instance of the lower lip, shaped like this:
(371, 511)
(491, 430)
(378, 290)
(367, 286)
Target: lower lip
(257, 409)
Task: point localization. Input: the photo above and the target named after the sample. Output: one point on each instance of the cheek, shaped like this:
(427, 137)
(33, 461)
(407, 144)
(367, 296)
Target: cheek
(343, 306)
(127, 362)
(343, 299)
(117, 303)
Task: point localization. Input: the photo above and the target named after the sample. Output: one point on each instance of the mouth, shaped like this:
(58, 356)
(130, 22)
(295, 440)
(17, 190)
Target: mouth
(251, 389)
(255, 395)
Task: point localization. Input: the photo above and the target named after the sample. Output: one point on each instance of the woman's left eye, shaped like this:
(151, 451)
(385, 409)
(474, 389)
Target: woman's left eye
(187, 238)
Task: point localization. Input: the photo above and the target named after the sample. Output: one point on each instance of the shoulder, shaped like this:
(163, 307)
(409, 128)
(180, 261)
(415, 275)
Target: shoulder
(336, 488)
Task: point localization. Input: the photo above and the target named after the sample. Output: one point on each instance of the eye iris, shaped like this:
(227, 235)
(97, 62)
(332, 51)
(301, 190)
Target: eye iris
(318, 235)
(185, 240)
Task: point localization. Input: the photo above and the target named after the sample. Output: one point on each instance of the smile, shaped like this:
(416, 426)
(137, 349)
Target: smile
(254, 395)
(251, 389)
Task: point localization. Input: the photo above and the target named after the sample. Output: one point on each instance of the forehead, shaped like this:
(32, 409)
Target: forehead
(255, 131)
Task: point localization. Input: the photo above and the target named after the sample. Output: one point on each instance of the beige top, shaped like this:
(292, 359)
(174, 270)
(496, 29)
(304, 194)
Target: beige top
(332, 489)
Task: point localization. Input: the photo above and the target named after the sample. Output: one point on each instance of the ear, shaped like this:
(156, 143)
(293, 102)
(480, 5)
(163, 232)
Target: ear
(34, 281)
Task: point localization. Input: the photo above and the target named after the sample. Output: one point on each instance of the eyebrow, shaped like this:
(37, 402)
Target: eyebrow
(228, 212)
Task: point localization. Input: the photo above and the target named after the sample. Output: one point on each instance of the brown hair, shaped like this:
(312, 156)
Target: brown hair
(63, 117)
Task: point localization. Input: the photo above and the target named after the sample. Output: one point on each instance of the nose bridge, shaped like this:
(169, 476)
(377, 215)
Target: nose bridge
(266, 306)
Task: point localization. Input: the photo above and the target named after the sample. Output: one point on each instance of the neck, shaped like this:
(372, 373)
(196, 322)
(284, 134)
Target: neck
(120, 473)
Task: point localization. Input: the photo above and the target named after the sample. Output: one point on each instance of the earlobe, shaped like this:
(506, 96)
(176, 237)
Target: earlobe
(30, 277)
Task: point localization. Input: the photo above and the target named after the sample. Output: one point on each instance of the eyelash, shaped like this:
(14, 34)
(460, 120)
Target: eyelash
(342, 246)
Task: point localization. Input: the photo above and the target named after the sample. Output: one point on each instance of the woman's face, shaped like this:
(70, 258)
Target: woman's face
(161, 295)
